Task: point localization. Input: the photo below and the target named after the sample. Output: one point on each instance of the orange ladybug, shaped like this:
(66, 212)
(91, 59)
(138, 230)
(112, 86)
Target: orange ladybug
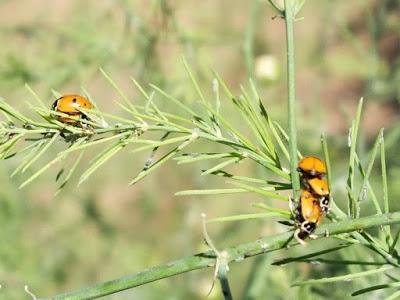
(309, 215)
(311, 166)
(321, 189)
(71, 105)
(318, 186)
(310, 210)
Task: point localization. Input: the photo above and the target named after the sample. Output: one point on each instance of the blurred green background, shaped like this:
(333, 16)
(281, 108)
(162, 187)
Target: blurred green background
(104, 229)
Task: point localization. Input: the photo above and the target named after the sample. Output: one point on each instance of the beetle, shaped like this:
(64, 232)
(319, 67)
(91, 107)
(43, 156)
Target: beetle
(312, 166)
(318, 186)
(308, 216)
(72, 105)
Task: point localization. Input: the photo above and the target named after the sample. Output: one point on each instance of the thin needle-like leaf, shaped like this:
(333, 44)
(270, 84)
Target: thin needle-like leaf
(149, 99)
(45, 167)
(120, 92)
(100, 159)
(275, 133)
(392, 247)
(245, 217)
(287, 260)
(194, 81)
(272, 208)
(337, 211)
(384, 176)
(284, 134)
(175, 101)
(324, 144)
(229, 126)
(346, 277)
(260, 191)
(338, 262)
(368, 187)
(353, 203)
(260, 114)
(364, 186)
(6, 147)
(195, 157)
(35, 96)
(70, 173)
(222, 165)
(375, 288)
(385, 196)
(86, 144)
(26, 160)
(151, 144)
(275, 185)
(9, 110)
(162, 160)
(42, 150)
(210, 192)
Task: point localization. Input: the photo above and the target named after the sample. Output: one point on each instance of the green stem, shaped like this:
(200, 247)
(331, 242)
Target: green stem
(249, 37)
(289, 21)
(208, 258)
(223, 279)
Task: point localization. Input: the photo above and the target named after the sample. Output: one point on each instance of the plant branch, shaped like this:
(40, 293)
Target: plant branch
(208, 258)
(289, 21)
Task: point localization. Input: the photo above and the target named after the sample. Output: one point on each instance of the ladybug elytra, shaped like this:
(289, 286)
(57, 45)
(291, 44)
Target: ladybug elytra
(71, 105)
(312, 166)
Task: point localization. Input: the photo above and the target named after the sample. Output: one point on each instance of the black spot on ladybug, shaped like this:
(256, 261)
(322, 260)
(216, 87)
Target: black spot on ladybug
(74, 100)
(54, 106)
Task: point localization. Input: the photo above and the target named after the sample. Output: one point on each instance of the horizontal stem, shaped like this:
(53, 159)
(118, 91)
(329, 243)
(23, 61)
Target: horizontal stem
(208, 258)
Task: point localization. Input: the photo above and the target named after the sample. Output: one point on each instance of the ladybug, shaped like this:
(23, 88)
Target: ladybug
(71, 105)
(318, 186)
(309, 215)
(311, 166)
(321, 189)
(309, 207)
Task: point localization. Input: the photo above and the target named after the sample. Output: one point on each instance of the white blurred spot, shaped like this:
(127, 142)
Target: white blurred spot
(266, 68)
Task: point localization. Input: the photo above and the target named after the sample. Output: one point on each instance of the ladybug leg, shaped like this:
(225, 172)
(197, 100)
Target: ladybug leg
(298, 238)
(84, 125)
(313, 236)
(304, 181)
(62, 133)
(87, 128)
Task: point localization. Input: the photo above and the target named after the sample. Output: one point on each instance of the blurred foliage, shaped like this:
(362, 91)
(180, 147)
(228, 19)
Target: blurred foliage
(103, 229)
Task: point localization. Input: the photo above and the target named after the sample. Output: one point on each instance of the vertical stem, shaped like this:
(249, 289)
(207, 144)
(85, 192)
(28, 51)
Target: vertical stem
(384, 176)
(334, 208)
(353, 139)
(223, 279)
(389, 237)
(289, 21)
(249, 37)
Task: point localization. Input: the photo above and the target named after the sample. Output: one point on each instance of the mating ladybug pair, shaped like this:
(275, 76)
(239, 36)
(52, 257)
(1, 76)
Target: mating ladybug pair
(314, 199)
(73, 106)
